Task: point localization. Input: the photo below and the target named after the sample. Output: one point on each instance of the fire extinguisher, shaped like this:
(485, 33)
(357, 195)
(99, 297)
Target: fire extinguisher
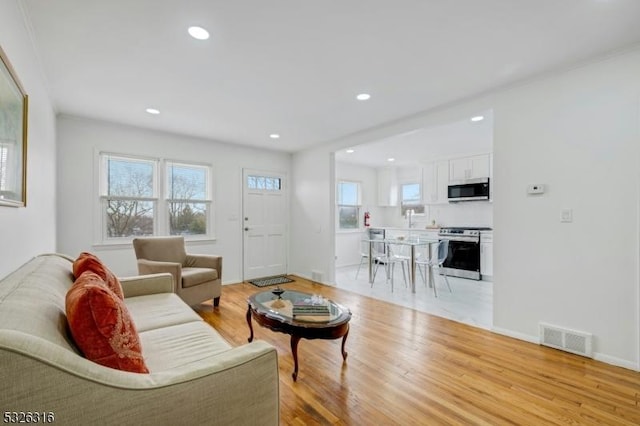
(367, 216)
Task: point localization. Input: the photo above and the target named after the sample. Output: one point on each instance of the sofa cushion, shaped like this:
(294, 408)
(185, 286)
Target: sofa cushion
(181, 345)
(90, 262)
(101, 325)
(195, 276)
(159, 310)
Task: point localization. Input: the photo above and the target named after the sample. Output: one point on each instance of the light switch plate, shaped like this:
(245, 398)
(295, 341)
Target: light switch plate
(566, 215)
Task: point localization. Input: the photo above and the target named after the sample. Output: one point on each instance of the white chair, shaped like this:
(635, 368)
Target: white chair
(396, 254)
(428, 261)
(364, 255)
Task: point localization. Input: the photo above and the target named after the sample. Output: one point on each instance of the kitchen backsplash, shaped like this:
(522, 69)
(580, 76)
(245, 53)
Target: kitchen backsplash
(472, 213)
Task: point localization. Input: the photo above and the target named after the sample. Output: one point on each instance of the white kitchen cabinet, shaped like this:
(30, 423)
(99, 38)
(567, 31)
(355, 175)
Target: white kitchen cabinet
(387, 187)
(477, 166)
(436, 181)
(486, 254)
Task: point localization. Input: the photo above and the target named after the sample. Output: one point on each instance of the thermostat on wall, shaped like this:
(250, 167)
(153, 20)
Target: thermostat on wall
(535, 189)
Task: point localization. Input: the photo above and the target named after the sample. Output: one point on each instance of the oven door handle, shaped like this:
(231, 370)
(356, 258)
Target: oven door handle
(461, 239)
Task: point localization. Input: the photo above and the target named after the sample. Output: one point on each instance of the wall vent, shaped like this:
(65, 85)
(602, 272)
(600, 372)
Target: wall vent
(576, 342)
(316, 276)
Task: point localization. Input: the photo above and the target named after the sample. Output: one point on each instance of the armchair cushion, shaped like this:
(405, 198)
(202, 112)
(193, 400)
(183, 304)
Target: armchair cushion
(90, 262)
(101, 325)
(195, 276)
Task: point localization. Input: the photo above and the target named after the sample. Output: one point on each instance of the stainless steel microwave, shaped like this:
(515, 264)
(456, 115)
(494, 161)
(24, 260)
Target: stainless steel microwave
(468, 190)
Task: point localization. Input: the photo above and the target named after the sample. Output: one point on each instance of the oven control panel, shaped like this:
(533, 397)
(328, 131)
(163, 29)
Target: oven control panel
(460, 232)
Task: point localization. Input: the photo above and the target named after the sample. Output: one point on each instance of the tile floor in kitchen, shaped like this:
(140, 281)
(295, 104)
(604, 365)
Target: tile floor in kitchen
(470, 302)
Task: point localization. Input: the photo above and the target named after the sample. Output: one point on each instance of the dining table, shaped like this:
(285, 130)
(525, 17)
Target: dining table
(412, 242)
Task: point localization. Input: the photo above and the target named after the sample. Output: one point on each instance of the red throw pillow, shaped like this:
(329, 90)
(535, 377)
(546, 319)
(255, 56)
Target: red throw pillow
(101, 325)
(90, 262)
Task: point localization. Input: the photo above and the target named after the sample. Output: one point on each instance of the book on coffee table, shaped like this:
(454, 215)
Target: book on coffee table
(310, 309)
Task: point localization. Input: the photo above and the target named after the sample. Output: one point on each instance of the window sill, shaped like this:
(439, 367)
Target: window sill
(117, 245)
(350, 231)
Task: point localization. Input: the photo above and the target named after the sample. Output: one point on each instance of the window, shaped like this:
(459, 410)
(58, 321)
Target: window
(131, 206)
(267, 183)
(129, 196)
(188, 198)
(411, 199)
(4, 154)
(348, 202)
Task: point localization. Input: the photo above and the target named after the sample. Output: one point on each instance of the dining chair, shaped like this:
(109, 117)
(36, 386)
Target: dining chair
(428, 261)
(397, 254)
(364, 255)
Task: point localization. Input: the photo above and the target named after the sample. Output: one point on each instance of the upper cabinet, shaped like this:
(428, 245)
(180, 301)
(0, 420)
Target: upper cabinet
(474, 167)
(436, 180)
(387, 187)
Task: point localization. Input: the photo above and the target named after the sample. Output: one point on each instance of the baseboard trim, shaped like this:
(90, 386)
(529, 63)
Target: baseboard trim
(308, 278)
(618, 362)
(516, 335)
(607, 359)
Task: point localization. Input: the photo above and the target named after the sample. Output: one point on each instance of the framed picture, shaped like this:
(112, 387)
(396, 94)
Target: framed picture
(14, 107)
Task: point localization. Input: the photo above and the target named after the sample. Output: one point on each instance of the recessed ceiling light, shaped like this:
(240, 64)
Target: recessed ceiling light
(477, 118)
(198, 33)
(363, 97)
(391, 160)
(351, 151)
(274, 136)
(153, 111)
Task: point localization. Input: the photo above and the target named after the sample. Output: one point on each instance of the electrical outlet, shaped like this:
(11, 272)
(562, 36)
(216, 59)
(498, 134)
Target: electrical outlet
(566, 215)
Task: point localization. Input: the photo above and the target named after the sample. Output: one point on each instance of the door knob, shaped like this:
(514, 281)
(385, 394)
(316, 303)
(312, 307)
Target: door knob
(246, 229)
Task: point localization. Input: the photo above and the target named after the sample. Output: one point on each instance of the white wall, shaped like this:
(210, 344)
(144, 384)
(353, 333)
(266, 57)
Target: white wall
(577, 132)
(80, 140)
(27, 232)
(312, 214)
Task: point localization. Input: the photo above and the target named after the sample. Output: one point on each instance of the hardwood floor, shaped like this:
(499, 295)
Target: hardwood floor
(406, 367)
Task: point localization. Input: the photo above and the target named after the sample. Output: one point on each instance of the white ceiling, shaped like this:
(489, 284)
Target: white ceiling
(421, 146)
(294, 67)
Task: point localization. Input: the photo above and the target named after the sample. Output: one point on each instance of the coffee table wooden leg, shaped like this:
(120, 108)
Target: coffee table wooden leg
(344, 340)
(294, 351)
(249, 322)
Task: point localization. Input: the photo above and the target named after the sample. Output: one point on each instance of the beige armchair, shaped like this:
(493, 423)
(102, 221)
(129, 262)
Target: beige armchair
(196, 277)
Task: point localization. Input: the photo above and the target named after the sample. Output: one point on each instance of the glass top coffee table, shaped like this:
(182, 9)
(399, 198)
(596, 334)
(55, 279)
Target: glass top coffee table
(313, 318)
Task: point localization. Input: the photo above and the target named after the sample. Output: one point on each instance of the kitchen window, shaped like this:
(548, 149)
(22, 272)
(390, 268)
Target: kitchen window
(348, 205)
(411, 198)
(130, 204)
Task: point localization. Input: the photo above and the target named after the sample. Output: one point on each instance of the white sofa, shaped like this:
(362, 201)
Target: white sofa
(195, 376)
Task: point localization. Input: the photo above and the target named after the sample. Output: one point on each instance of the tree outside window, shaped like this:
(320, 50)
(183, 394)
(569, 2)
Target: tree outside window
(130, 202)
(348, 194)
(187, 198)
(129, 196)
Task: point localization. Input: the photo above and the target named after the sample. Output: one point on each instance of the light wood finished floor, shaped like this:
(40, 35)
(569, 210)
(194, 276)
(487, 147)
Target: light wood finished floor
(410, 368)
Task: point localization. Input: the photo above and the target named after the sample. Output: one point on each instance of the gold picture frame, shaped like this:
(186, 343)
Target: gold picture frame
(14, 108)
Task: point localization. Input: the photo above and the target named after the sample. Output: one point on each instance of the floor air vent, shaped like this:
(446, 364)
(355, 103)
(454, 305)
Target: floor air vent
(564, 339)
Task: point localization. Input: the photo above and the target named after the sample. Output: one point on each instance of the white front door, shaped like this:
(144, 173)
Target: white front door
(265, 224)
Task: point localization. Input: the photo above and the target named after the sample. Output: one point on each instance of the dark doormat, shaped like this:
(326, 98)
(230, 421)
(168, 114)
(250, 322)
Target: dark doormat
(267, 281)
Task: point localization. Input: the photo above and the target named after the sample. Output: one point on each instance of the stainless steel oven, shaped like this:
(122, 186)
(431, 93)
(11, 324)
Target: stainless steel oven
(463, 259)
